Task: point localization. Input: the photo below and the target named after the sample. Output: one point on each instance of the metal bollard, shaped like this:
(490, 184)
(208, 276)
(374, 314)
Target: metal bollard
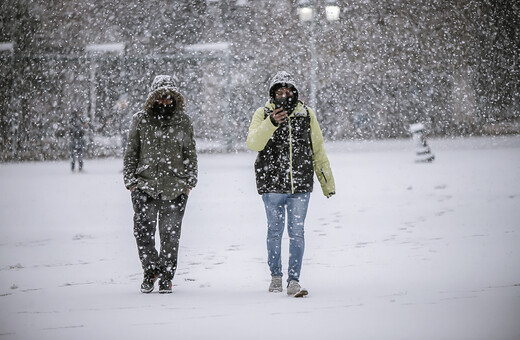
(422, 150)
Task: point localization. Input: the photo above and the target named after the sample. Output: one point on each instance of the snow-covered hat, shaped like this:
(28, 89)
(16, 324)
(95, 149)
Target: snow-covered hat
(164, 85)
(282, 79)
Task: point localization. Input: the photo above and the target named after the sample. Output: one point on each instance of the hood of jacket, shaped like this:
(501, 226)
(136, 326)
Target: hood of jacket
(282, 79)
(164, 85)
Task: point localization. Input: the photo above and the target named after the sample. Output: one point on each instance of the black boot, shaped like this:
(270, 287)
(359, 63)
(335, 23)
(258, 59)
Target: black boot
(165, 286)
(148, 282)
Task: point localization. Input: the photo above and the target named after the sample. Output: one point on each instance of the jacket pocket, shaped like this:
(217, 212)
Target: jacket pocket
(141, 169)
(324, 177)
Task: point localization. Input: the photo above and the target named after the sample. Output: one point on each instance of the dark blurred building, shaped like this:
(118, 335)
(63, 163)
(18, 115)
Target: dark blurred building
(383, 65)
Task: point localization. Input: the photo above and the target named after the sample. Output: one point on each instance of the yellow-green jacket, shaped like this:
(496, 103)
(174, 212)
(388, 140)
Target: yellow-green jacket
(289, 154)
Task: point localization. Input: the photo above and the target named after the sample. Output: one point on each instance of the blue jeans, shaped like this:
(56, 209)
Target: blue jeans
(277, 207)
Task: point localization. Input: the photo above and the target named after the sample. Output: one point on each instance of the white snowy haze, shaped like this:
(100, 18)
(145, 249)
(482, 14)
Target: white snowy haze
(404, 250)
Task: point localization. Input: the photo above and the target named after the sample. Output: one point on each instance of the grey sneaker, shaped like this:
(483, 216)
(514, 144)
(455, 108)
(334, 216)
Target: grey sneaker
(293, 287)
(276, 284)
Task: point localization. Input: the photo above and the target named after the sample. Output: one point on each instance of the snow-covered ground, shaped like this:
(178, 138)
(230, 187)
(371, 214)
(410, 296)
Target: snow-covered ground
(403, 251)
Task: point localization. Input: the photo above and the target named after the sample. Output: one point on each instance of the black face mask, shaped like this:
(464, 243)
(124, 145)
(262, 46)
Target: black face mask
(287, 103)
(164, 110)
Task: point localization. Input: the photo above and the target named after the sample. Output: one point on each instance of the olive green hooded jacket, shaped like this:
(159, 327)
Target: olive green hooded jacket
(160, 156)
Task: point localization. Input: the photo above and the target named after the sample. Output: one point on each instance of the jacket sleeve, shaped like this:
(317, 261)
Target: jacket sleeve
(319, 158)
(190, 157)
(131, 157)
(260, 130)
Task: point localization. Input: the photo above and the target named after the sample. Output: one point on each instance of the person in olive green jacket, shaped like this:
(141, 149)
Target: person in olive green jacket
(160, 169)
(289, 141)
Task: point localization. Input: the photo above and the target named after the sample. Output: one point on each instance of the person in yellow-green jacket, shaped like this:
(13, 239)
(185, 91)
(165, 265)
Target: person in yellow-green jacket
(289, 141)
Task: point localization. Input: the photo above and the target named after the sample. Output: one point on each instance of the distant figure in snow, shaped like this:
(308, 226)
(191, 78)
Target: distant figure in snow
(78, 124)
(160, 169)
(289, 141)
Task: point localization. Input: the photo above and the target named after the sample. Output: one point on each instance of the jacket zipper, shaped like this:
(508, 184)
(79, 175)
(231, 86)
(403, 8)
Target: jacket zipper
(290, 155)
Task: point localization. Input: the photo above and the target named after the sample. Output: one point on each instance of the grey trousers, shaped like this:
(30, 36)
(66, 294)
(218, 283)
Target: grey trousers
(168, 214)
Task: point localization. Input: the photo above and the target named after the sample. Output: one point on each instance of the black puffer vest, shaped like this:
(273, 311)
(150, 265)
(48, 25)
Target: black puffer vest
(285, 164)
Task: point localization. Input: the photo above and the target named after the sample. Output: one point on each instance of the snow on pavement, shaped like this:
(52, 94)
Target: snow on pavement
(403, 251)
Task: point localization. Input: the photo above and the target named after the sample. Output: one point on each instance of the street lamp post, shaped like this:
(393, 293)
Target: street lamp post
(307, 11)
